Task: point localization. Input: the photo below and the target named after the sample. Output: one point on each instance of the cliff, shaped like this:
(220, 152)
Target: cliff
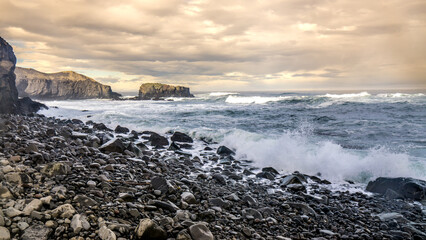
(61, 85)
(9, 101)
(158, 90)
(8, 93)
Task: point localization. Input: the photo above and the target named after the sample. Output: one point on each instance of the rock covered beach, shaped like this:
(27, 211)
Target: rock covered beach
(65, 179)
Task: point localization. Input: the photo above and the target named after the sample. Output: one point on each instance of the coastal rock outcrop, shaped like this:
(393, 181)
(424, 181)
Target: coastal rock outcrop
(9, 101)
(8, 93)
(399, 187)
(149, 91)
(60, 85)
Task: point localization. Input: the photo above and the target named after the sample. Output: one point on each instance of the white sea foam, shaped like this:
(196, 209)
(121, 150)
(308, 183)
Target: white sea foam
(297, 152)
(219, 94)
(348, 95)
(253, 99)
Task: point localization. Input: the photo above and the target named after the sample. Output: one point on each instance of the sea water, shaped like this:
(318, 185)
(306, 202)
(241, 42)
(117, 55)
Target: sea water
(341, 136)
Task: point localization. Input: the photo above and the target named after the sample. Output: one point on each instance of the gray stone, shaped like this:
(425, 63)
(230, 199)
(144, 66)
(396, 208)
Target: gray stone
(63, 211)
(85, 200)
(148, 229)
(33, 205)
(188, 198)
(200, 231)
(53, 169)
(251, 213)
(160, 183)
(36, 232)
(11, 212)
(79, 222)
(22, 225)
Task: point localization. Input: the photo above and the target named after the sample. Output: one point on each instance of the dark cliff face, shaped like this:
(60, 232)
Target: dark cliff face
(8, 93)
(61, 85)
(157, 90)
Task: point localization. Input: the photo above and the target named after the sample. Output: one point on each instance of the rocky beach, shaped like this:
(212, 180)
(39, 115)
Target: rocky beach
(65, 179)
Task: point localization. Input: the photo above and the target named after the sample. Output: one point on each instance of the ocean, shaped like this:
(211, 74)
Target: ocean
(355, 136)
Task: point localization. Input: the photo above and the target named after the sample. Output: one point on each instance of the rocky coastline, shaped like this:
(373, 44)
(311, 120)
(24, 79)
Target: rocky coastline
(65, 179)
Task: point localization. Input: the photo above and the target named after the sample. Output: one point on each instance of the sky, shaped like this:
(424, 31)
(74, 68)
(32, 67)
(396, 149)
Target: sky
(226, 45)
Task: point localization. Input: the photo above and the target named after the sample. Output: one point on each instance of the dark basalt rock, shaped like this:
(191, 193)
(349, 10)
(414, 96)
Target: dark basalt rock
(157, 140)
(181, 137)
(120, 129)
(8, 92)
(158, 91)
(405, 187)
(225, 151)
(61, 85)
(113, 146)
(26, 105)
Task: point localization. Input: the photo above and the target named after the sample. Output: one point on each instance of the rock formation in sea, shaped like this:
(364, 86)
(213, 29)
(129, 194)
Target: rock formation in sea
(61, 85)
(149, 91)
(9, 101)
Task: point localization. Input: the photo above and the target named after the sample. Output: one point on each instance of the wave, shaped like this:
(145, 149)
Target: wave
(348, 95)
(219, 94)
(253, 99)
(297, 152)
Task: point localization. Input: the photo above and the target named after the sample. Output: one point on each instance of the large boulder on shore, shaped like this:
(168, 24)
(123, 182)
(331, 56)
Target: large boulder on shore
(408, 188)
(60, 85)
(149, 91)
(8, 92)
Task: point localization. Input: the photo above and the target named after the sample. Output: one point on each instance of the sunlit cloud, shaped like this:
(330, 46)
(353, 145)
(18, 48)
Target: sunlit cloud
(264, 45)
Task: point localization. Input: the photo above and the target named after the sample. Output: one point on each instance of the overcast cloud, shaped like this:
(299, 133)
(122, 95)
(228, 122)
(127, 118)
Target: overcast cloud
(224, 45)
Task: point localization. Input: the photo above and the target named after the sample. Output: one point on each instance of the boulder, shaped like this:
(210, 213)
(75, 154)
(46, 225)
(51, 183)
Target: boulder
(148, 229)
(225, 151)
(120, 129)
(200, 231)
(36, 232)
(408, 188)
(106, 234)
(149, 91)
(158, 141)
(114, 145)
(61, 85)
(181, 137)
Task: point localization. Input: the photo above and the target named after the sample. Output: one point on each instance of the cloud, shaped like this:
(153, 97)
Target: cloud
(298, 43)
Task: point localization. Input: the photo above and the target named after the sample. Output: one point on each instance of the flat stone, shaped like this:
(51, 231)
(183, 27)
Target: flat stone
(85, 200)
(33, 205)
(36, 232)
(200, 231)
(22, 225)
(11, 212)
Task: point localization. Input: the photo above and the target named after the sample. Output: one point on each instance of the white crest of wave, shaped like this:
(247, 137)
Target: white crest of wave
(219, 94)
(254, 99)
(400, 95)
(348, 95)
(294, 152)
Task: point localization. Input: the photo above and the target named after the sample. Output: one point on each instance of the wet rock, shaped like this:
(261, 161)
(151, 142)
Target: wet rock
(85, 200)
(158, 140)
(181, 137)
(200, 231)
(114, 145)
(225, 151)
(148, 229)
(406, 187)
(53, 169)
(160, 183)
(36, 232)
(302, 206)
(120, 129)
(251, 213)
(219, 178)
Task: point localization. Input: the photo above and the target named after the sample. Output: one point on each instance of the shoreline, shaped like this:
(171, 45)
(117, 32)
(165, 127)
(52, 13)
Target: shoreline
(67, 179)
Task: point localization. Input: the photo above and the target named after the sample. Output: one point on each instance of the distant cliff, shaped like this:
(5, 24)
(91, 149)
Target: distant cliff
(61, 85)
(158, 90)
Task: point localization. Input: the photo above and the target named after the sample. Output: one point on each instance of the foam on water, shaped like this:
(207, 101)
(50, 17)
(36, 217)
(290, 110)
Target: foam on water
(253, 99)
(348, 95)
(219, 94)
(295, 151)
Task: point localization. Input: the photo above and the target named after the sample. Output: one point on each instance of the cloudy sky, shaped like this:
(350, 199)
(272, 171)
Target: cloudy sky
(222, 44)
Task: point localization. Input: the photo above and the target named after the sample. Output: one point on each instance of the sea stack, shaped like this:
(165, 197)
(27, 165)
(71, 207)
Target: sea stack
(149, 91)
(8, 92)
(61, 85)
